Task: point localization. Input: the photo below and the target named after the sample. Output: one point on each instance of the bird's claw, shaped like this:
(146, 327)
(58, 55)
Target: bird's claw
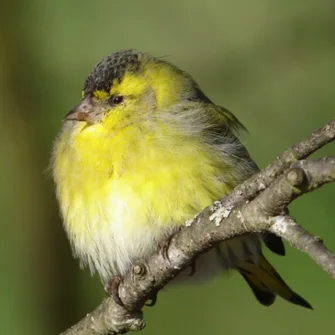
(163, 248)
(112, 289)
(193, 269)
(153, 299)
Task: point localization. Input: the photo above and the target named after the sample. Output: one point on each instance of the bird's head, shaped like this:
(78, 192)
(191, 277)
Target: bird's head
(130, 86)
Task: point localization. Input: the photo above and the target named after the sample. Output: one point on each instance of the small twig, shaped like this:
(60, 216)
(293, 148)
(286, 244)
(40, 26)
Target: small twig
(302, 240)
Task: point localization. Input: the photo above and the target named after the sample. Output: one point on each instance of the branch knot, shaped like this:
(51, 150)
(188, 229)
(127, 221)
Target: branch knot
(296, 176)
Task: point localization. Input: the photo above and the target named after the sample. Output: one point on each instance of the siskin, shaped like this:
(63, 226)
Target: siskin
(144, 151)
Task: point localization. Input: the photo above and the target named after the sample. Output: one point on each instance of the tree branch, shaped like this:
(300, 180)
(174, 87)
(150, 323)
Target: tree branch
(259, 181)
(302, 240)
(257, 205)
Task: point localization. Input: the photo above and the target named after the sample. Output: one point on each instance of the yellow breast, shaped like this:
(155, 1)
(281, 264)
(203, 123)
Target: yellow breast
(119, 193)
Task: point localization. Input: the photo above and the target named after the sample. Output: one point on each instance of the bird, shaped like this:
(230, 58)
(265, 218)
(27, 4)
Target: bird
(144, 151)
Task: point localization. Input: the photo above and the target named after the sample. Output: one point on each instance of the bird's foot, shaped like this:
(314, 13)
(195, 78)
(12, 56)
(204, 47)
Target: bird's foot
(112, 289)
(193, 269)
(153, 299)
(163, 247)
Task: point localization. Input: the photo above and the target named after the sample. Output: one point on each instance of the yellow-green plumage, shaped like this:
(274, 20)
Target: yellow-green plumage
(145, 151)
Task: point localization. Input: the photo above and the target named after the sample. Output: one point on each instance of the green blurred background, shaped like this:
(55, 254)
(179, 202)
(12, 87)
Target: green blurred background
(271, 62)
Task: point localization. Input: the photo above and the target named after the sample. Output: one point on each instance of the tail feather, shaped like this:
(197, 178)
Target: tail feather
(274, 243)
(262, 293)
(265, 283)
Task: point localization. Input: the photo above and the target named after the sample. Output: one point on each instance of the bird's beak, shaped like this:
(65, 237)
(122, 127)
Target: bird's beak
(82, 112)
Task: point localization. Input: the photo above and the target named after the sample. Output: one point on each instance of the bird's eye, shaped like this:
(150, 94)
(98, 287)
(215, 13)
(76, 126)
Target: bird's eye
(116, 99)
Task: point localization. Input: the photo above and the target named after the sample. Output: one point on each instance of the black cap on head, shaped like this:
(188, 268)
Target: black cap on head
(112, 67)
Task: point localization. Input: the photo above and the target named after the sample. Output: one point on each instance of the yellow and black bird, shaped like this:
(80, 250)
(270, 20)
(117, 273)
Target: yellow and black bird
(144, 151)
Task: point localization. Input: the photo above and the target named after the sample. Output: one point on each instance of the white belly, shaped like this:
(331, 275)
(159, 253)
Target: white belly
(113, 248)
(115, 238)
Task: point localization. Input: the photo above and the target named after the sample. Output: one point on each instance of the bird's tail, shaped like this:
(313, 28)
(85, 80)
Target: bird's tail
(266, 283)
